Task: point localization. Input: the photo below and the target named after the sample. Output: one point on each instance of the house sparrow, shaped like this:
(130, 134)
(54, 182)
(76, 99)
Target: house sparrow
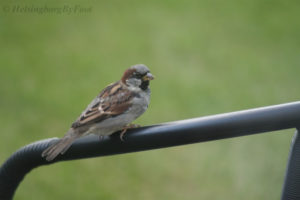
(112, 110)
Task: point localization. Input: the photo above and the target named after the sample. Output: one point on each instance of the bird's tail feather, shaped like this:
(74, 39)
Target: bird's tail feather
(60, 147)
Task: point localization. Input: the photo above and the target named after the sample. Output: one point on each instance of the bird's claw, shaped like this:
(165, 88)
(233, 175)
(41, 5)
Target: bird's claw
(125, 128)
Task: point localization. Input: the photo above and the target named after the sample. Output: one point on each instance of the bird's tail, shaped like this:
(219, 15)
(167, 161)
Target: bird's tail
(60, 147)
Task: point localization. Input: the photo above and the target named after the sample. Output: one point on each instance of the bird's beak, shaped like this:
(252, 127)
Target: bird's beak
(148, 77)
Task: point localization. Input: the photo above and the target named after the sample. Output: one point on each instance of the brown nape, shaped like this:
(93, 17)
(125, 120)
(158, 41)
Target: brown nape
(127, 74)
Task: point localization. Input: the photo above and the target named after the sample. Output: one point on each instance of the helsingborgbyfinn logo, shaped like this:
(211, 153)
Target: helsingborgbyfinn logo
(46, 9)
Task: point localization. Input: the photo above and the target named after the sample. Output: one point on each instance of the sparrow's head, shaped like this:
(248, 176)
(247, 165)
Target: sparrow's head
(137, 76)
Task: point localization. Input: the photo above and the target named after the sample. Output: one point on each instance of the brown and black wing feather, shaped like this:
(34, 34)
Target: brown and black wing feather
(112, 101)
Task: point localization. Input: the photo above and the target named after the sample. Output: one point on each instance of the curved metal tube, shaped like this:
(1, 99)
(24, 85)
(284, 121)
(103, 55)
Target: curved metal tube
(291, 186)
(189, 131)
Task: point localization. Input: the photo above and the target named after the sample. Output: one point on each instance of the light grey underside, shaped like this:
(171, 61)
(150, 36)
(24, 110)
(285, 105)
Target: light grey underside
(111, 125)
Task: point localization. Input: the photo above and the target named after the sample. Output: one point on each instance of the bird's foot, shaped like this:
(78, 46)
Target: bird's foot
(125, 128)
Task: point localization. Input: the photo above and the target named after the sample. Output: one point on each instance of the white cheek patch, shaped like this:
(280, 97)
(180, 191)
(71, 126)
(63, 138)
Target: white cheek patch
(133, 82)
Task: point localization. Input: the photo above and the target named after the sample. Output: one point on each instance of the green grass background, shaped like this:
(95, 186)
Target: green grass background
(208, 57)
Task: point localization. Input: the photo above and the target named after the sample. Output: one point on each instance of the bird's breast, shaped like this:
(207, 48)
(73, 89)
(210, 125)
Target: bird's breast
(108, 126)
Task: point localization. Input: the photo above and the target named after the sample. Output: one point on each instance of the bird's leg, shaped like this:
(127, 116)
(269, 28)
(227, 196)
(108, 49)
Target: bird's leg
(125, 128)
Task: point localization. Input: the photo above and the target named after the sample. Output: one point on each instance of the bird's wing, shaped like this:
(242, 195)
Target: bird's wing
(112, 101)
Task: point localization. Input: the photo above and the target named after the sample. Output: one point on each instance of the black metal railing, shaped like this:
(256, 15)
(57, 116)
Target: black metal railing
(235, 124)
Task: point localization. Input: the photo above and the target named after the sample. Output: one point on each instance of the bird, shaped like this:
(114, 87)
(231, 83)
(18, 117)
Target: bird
(112, 110)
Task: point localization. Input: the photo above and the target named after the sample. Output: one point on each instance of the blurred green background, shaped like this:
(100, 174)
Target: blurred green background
(208, 57)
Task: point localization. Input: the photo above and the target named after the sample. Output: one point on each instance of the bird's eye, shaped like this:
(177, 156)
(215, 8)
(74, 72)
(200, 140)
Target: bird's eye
(137, 75)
